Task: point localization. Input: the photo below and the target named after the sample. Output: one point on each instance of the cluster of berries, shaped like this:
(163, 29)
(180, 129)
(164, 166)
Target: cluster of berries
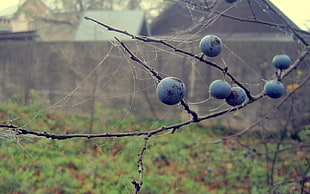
(171, 90)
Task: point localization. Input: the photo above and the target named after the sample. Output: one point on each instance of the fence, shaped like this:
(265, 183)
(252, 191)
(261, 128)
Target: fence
(72, 76)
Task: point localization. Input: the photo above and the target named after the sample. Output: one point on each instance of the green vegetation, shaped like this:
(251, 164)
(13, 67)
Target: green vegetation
(173, 163)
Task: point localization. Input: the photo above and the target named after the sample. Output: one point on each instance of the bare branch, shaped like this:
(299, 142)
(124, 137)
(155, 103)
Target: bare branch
(139, 183)
(254, 20)
(200, 58)
(136, 59)
(292, 67)
(262, 22)
(21, 131)
(156, 75)
(300, 180)
(295, 147)
(288, 25)
(252, 11)
(272, 111)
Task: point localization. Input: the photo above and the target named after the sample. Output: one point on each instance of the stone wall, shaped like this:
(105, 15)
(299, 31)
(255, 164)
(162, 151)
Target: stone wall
(71, 76)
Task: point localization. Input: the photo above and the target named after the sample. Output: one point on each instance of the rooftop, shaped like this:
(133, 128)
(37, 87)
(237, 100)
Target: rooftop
(243, 17)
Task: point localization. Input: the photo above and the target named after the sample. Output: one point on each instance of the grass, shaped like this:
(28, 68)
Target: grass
(173, 163)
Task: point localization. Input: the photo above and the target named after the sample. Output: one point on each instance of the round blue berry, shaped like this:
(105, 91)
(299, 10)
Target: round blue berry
(220, 89)
(236, 97)
(170, 90)
(281, 61)
(274, 89)
(211, 45)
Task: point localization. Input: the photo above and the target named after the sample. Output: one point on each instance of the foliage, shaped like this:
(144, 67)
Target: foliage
(177, 163)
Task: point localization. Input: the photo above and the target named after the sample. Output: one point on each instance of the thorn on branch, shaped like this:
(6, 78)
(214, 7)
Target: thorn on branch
(225, 70)
(137, 185)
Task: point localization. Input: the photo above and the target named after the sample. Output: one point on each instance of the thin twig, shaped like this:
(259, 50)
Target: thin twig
(287, 24)
(21, 131)
(293, 66)
(273, 163)
(246, 20)
(274, 158)
(136, 59)
(156, 75)
(303, 179)
(139, 183)
(299, 146)
(252, 11)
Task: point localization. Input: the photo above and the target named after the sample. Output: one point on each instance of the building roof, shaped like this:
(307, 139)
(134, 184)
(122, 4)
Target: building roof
(133, 21)
(19, 36)
(225, 19)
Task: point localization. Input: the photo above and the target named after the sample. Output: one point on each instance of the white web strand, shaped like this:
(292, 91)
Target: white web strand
(65, 100)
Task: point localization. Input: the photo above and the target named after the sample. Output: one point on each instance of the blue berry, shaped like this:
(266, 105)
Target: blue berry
(236, 97)
(220, 89)
(170, 90)
(281, 61)
(211, 45)
(274, 89)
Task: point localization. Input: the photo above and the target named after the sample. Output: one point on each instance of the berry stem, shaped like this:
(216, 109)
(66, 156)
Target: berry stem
(278, 74)
(225, 70)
